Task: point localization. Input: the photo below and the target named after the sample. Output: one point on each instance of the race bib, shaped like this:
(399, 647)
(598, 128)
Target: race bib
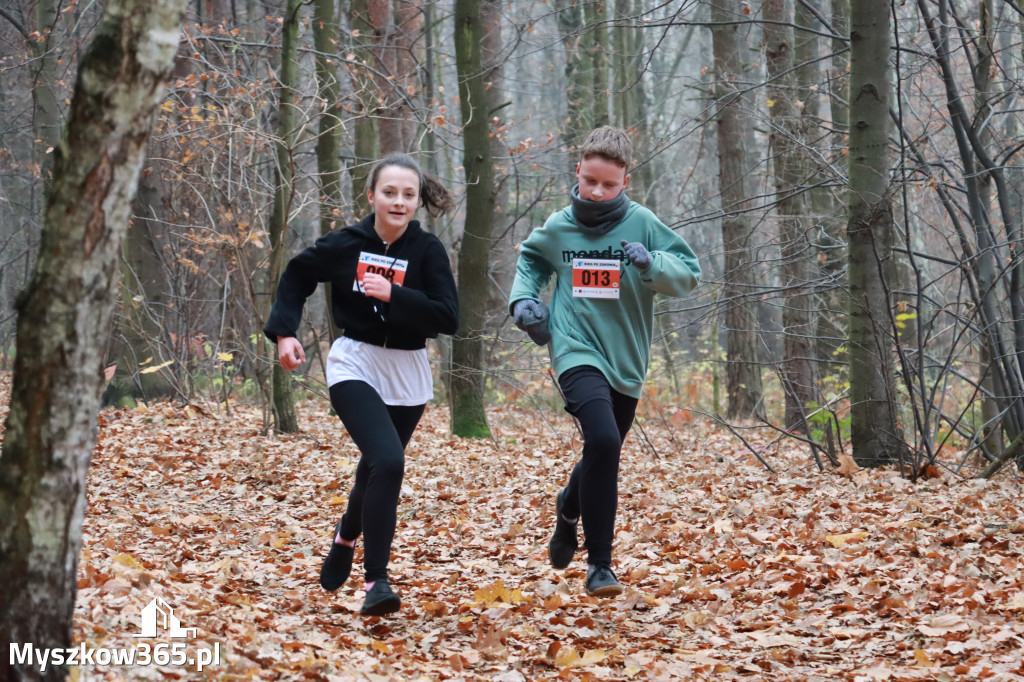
(595, 278)
(385, 266)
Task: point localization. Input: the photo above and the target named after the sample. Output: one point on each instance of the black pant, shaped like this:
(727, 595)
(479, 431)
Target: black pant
(605, 416)
(381, 433)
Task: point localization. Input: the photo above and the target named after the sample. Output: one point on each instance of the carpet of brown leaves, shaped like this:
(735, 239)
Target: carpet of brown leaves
(730, 572)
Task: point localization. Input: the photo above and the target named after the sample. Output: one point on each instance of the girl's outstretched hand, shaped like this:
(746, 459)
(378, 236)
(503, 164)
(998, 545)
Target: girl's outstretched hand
(290, 352)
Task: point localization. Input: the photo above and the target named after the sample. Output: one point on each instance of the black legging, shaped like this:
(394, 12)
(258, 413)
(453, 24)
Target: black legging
(605, 416)
(381, 433)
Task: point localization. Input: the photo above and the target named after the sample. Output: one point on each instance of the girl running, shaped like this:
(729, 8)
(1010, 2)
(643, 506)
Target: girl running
(393, 288)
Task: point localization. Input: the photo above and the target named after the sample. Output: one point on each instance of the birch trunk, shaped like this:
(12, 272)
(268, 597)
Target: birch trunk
(64, 318)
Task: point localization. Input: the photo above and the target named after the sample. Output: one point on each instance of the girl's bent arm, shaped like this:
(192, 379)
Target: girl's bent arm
(434, 309)
(304, 272)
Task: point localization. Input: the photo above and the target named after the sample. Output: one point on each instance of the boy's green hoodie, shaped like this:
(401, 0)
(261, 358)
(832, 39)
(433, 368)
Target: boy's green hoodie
(611, 334)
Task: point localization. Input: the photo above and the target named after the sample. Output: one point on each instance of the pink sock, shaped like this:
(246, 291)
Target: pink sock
(339, 541)
(369, 586)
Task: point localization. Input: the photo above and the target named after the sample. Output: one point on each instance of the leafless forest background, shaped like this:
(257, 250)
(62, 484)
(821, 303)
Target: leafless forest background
(740, 114)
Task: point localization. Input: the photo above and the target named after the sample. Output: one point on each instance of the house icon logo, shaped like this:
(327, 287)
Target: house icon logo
(159, 613)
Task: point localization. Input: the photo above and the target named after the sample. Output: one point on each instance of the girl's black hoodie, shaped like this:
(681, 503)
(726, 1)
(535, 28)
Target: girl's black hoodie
(424, 306)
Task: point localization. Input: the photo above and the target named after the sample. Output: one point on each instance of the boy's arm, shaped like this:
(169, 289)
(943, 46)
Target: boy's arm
(533, 272)
(675, 270)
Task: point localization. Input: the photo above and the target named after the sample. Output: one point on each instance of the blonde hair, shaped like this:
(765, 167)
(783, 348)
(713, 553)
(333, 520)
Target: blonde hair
(611, 144)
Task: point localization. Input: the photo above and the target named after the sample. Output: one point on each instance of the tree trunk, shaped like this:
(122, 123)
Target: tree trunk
(429, 145)
(143, 290)
(799, 379)
(148, 324)
(596, 44)
(570, 27)
(284, 404)
(328, 141)
(397, 122)
(630, 99)
(365, 19)
(743, 371)
(585, 40)
(411, 25)
(469, 418)
(498, 107)
(839, 74)
(826, 230)
(875, 434)
(1014, 172)
(64, 318)
(832, 322)
(983, 95)
(46, 108)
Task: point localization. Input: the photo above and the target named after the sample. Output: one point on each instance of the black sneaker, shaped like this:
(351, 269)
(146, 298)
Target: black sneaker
(380, 600)
(337, 565)
(601, 581)
(563, 543)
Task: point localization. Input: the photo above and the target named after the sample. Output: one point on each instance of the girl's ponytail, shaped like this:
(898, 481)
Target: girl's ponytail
(437, 198)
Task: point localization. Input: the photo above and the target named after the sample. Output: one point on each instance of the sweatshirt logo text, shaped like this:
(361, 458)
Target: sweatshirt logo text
(608, 253)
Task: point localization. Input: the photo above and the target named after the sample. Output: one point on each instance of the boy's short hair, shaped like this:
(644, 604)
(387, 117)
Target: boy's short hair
(611, 144)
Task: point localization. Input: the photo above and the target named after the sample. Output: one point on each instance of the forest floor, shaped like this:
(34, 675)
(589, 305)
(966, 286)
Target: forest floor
(731, 572)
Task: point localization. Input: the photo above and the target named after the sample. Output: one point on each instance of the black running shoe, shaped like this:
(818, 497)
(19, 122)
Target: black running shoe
(338, 563)
(601, 581)
(563, 543)
(380, 600)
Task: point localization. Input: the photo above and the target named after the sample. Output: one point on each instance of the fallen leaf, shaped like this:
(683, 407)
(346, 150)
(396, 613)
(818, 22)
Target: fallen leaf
(840, 540)
(940, 625)
(922, 658)
(566, 657)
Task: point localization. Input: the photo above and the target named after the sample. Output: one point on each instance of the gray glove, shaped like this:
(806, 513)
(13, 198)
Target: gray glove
(637, 254)
(532, 317)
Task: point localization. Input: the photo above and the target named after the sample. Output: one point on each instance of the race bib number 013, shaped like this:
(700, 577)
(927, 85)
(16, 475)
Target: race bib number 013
(595, 278)
(391, 268)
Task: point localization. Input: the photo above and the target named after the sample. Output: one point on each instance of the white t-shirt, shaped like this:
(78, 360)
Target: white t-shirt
(400, 377)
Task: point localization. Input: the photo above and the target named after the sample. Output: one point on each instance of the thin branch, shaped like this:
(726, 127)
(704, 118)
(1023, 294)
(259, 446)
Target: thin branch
(14, 22)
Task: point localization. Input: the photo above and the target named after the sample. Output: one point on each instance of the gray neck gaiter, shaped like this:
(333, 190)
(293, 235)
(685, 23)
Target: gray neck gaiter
(598, 217)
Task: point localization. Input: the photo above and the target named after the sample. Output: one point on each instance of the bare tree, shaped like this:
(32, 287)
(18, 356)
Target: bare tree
(743, 371)
(63, 319)
(467, 380)
(876, 436)
(396, 119)
(47, 115)
(328, 141)
(288, 125)
(986, 224)
(585, 40)
(788, 141)
(368, 20)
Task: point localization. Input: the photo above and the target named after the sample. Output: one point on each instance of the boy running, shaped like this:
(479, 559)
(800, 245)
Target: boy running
(609, 256)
